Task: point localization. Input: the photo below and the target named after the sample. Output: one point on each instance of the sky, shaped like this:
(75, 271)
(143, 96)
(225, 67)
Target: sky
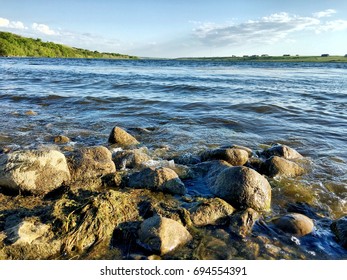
(184, 28)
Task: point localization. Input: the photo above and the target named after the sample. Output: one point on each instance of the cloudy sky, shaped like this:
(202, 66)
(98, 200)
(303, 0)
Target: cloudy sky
(178, 28)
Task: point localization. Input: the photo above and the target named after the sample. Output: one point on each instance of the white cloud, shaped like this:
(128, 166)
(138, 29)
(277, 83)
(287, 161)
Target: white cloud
(326, 13)
(43, 28)
(335, 25)
(4, 22)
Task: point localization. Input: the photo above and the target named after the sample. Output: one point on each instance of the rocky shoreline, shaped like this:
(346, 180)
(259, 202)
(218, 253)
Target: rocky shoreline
(121, 202)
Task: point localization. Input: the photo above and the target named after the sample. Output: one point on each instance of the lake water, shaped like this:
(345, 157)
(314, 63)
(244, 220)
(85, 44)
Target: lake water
(188, 106)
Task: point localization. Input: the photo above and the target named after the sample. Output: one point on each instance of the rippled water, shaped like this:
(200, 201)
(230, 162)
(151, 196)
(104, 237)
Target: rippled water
(189, 106)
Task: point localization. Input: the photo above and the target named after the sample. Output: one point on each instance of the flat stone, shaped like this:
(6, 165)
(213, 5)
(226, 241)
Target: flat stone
(294, 223)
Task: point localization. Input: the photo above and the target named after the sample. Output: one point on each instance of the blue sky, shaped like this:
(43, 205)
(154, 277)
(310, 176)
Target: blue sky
(180, 28)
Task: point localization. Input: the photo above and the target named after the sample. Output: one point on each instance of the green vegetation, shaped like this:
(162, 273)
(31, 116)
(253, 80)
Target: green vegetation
(265, 58)
(15, 45)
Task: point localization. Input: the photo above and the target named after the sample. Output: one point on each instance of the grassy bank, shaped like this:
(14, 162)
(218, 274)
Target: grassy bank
(17, 46)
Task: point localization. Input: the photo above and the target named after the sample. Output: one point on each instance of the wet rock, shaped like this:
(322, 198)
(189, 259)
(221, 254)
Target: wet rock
(281, 151)
(91, 162)
(280, 167)
(210, 170)
(241, 223)
(231, 155)
(61, 139)
(211, 248)
(130, 159)
(214, 211)
(243, 187)
(294, 223)
(339, 227)
(36, 172)
(31, 113)
(162, 235)
(121, 137)
(159, 179)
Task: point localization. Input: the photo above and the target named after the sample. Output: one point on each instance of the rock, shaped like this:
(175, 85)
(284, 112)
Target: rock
(211, 248)
(121, 137)
(339, 227)
(162, 235)
(280, 167)
(214, 211)
(36, 172)
(159, 179)
(294, 223)
(210, 170)
(241, 223)
(231, 155)
(61, 139)
(243, 187)
(91, 162)
(130, 159)
(282, 151)
(31, 113)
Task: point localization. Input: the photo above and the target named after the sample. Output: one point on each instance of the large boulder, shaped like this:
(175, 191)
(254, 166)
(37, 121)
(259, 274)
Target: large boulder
(282, 151)
(243, 188)
(339, 227)
(91, 162)
(157, 179)
(35, 172)
(294, 223)
(162, 235)
(280, 167)
(121, 137)
(213, 211)
(233, 156)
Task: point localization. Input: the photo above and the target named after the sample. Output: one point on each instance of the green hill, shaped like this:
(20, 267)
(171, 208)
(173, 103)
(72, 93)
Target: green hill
(15, 45)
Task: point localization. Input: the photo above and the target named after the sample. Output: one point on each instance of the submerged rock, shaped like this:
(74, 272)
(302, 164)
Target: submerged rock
(211, 248)
(121, 137)
(214, 211)
(91, 162)
(339, 227)
(280, 167)
(243, 188)
(61, 139)
(282, 151)
(159, 179)
(241, 223)
(295, 223)
(162, 235)
(36, 172)
(233, 156)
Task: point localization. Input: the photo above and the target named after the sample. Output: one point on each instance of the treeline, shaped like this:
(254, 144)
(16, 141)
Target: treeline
(15, 45)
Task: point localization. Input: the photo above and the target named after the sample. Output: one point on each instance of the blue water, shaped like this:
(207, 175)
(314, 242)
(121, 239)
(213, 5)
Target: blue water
(187, 106)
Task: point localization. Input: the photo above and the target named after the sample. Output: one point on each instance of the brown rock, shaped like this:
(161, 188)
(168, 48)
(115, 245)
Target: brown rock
(243, 187)
(130, 159)
(61, 139)
(241, 223)
(295, 223)
(282, 151)
(280, 167)
(121, 137)
(162, 235)
(214, 211)
(233, 156)
(159, 179)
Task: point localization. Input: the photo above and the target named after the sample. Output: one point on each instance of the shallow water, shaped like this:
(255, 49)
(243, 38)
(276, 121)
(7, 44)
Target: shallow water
(189, 106)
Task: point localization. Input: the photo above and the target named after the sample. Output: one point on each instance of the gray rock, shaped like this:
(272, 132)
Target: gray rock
(233, 156)
(121, 137)
(294, 223)
(130, 159)
(91, 162)
(243, 188)
(214, 211)
(36, 172)
(280, 167)
(339, 227)
(159, 179)
(241, 223)
(282, 151)
(162, 235)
